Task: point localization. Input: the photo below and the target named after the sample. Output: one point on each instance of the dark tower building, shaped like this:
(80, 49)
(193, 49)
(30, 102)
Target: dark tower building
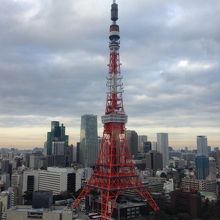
(57, 134)
(154, 161)
(30, 183)
(77, 151)
(202, 167)
(147, 146)
(56, 146)
(132, 138)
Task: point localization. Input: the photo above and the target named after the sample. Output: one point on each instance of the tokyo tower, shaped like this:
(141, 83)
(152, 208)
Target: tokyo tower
(114, 172)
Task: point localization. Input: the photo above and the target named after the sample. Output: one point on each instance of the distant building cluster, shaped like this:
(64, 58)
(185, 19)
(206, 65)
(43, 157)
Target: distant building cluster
(56, 173)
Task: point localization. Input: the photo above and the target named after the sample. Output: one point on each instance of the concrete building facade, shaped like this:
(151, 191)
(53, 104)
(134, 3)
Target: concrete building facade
(27, 212)
(162, 147)
(30, 181)
(37, 161)
(189, 185)
(59, 180)
(154, 161)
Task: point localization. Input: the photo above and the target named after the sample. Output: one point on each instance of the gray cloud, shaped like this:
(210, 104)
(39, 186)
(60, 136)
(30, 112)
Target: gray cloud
(53, 57)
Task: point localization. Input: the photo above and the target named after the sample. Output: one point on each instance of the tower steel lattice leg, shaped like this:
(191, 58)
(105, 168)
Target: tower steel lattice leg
(86, 191)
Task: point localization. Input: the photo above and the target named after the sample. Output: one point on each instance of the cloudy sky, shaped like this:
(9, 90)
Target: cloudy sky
(53, 65)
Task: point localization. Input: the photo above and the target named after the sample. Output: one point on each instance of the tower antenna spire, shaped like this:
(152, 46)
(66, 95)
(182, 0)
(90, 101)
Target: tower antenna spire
(115, 172)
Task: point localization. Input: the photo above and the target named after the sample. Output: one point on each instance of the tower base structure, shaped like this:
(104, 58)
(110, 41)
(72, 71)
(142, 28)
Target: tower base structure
(114, 173)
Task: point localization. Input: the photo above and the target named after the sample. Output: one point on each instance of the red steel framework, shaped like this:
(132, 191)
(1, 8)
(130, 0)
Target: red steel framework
(114, 172)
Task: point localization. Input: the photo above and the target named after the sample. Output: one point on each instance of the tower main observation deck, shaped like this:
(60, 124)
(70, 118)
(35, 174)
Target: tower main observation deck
(114, 172)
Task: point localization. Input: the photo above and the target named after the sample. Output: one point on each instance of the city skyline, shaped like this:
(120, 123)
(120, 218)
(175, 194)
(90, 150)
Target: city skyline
(54, 64)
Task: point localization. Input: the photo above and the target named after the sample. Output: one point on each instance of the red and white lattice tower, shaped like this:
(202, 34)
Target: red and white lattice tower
(114, 172)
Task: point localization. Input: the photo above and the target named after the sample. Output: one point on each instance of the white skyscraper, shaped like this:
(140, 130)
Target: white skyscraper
(162, 147)
(202, 146)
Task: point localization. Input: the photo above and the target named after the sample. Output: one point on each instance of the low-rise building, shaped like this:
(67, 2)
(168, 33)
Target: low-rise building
(7, 200)
(27, 212)
(154, 184)
(189, 184)
(53, 179)
(59, 180)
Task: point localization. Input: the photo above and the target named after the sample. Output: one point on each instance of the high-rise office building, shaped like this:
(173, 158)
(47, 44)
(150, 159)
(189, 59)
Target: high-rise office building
(70, 155)
(142, 139)
(202, 159)
(154, 145)
(212, 168)
(147, 147)
(202, 146)
(77, 152)
(216, 155)
(154, 161)
(56, 146)
(88, 151)
(202, 167)
(57, 134)
(162, 147)
(132, 138)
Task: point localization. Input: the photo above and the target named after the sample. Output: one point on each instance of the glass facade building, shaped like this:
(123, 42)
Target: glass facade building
(57, 134)
(202, 146)
(88, 150)
(202, 167)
